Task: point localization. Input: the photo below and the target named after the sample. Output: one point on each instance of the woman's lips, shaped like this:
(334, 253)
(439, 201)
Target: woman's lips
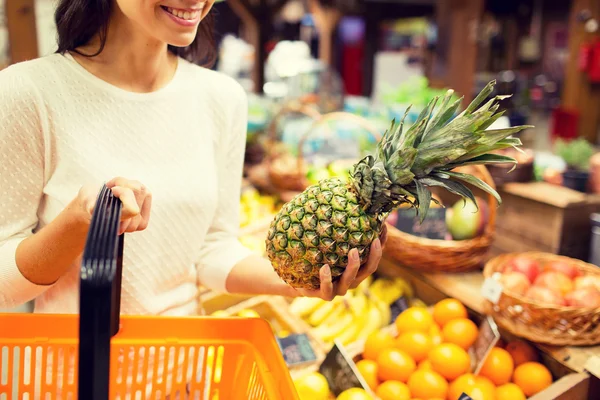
(183, 17)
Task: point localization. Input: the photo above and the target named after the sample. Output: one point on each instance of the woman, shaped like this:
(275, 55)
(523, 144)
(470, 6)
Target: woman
(123, 102)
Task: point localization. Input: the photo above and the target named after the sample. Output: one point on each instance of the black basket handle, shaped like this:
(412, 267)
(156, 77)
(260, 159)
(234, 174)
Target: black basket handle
(100, 296)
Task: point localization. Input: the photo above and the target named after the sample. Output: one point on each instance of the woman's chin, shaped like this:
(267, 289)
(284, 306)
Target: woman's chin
(182, 41)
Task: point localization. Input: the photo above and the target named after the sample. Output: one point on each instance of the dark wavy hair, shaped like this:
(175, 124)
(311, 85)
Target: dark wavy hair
(78, 21)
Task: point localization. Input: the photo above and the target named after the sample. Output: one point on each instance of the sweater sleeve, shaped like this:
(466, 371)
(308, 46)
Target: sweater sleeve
(21, 180)
(222, 250)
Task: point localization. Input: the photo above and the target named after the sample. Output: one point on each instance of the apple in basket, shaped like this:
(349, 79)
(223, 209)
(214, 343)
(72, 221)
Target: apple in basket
(587, 281)
(515, 283)
(566, 268)
(525, 265)
(542, 295)
(558, 282)
(584, 297)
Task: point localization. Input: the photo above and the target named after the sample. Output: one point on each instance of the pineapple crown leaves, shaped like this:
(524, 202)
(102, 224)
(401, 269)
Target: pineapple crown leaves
(409, 162)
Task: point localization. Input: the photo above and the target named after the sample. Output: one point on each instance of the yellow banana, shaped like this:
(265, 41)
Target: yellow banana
(330, 331)
(332, 318)
(319, 315)
(385, 310)
(406, 287)
(372, 322)
(358, 304)
(350, 334)
(304, 306)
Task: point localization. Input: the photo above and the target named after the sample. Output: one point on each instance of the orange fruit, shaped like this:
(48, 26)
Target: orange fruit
(425, 364)
(449, 360)
(393, 390)
(461, 331)
(510, 391)
(461, 385)
(447, 310)
(354, 394)
(477, 387)
(427, 384)
(521, 352)
(368, 369)
(415, 344)
(376, 343)
(394, 364)
(532, 377)
(414, 319)
(498, 366)
(435, 333)
(483, 389)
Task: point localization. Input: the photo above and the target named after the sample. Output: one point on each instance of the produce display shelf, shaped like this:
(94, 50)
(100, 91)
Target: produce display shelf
(466, 287)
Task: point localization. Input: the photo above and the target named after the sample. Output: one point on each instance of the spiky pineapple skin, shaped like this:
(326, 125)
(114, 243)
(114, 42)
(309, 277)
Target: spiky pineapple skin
(319, 226)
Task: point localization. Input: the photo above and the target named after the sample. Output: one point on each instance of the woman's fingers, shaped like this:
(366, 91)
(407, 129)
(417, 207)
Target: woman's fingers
(372, 263)
(349, 274)
(130, 206)
(145, 212)
(326, 286)
(384, 236)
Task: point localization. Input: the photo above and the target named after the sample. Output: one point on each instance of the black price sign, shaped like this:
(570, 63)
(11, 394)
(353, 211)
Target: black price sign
(433, 227)
(398, 307)
(296, 349)
(486, 340)
(340, 371)
(464, 396)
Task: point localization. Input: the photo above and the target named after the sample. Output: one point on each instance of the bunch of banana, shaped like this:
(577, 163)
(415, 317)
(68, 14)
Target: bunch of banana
(254, 206)
(354, 316)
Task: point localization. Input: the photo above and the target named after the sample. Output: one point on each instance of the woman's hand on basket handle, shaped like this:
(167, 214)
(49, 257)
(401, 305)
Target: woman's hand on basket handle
(45, 256)
(136, 202)
(352, 276)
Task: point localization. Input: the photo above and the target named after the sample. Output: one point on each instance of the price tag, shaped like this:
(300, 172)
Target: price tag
(491, 290)
(592, 365)
(398, 307)
(296, 349)
(486, 340)
(340, 371)
(465, 396)
(433, 227)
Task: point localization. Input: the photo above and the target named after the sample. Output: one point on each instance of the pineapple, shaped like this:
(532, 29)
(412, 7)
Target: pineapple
(322, 224)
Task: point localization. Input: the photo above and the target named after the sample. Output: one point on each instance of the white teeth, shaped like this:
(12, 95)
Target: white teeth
(184, 14)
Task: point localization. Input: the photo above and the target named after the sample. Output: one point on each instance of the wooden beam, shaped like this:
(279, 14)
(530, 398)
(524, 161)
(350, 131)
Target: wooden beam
(579, 94)
(326, 20)
(22, 33)
(455, 60)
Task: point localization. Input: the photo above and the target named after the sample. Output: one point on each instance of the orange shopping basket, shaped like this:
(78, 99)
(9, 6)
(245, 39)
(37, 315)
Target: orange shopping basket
(100, 355)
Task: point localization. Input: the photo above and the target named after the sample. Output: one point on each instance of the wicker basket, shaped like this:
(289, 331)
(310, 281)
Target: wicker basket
(281, 166)
(554, 325)
(294, 179)
(430, 255)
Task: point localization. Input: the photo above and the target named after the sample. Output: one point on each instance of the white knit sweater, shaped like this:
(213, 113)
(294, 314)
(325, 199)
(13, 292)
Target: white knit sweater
(62, 127)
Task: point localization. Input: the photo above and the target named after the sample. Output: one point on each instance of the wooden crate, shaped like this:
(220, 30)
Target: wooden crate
(570, 383)
(542, 217)
(275, 309)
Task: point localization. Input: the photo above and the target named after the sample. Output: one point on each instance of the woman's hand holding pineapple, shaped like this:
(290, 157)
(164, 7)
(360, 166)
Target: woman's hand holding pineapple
(352, 276)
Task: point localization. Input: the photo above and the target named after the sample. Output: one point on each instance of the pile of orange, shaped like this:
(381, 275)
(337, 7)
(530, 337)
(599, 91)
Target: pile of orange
(429, 360)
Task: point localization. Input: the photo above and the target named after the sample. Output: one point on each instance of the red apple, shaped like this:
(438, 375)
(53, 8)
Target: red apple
(544, 296)
(558, 282)
(515, 282)
(569, 270)
(584, 297)
(587, 281)
(392, 219)
(528, 267)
